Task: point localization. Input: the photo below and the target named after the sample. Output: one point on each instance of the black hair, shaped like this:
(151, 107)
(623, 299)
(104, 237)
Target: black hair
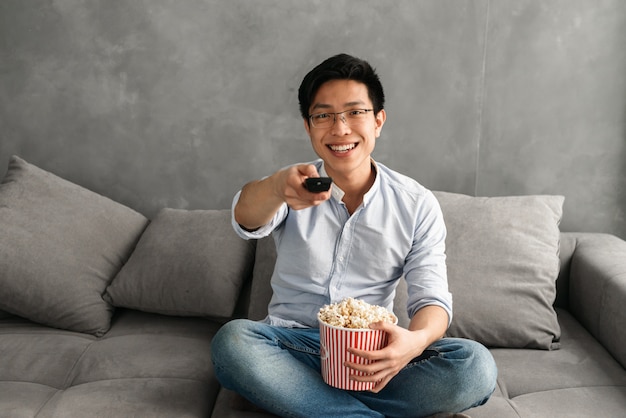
(341, 67)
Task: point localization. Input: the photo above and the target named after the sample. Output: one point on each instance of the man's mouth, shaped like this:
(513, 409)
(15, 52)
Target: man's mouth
(342, 147)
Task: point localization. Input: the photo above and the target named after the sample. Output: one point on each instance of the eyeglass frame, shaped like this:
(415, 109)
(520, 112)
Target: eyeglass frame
(343, 118)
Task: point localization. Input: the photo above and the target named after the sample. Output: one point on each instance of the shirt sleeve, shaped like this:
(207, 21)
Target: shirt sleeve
(425, 267)
(263, 231)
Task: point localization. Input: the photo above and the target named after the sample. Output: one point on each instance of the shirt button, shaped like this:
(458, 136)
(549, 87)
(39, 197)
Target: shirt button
(341, 258)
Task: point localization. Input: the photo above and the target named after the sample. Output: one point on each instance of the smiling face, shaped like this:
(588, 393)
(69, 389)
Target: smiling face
(345, 149)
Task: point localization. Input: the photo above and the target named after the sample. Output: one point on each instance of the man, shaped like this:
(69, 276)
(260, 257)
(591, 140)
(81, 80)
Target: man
(356, 240)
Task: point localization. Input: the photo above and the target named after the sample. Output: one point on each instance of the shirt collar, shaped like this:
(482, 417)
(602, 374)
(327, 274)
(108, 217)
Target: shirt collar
(335, 191)
(338, 194)
(370, 193)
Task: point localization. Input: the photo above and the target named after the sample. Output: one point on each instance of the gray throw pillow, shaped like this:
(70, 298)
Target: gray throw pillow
(187, 263)
(60, 246)
(503, 262)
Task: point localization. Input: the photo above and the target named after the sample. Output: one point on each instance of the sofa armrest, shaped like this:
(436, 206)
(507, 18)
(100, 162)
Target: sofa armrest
(598, 290)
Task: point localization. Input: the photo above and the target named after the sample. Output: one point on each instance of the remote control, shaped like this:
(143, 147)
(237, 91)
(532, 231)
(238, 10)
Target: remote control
(318, 184)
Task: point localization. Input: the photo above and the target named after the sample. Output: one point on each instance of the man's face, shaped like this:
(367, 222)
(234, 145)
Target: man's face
(345, 147)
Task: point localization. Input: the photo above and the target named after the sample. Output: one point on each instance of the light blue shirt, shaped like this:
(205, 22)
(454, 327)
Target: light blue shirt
(325, 255)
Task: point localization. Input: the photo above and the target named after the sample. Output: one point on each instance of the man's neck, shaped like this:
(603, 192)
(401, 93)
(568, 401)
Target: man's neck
(355, 186)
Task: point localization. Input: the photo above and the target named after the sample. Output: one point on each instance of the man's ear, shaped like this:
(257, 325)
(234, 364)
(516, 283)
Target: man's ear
(307, 127)
(381, 117)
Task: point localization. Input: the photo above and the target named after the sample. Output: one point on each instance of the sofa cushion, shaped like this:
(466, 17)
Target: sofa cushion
(503, 262)
(146, 365)
(580, 362)
(187, 263)
(581, 379)
(60, 246)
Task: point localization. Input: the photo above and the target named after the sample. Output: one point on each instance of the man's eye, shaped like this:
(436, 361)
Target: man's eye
(357, 112)
(321, 116)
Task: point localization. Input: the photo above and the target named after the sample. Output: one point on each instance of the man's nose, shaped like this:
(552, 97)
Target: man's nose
(340, 127)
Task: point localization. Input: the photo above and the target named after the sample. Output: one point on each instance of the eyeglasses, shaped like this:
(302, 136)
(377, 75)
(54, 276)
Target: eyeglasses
(350, 117)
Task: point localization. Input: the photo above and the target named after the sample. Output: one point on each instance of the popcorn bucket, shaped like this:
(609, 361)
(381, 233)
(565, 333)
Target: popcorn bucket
(334, 342)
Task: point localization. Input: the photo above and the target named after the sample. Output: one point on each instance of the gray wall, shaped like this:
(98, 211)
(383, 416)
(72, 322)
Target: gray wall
(177, 103)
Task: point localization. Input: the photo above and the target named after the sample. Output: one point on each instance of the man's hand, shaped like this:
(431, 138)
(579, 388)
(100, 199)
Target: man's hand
(261, 199)
(403, 347)
(289, 187)
(428, 325)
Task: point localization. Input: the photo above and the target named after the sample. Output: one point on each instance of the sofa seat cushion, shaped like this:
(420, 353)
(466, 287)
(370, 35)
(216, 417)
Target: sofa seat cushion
(581, 362)
(579, 380)
(146, 365)
(574, 402)
(23, 399)
(147, 397)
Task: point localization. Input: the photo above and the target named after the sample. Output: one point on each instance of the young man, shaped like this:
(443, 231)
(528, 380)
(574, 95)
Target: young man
(356, 240)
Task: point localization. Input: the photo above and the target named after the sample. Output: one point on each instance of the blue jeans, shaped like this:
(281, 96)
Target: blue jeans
(278, 369)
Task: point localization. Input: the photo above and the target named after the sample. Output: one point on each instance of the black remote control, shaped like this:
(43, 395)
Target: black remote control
(318, 184)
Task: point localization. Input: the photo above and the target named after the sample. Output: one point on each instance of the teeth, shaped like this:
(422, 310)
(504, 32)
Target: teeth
(342, 148)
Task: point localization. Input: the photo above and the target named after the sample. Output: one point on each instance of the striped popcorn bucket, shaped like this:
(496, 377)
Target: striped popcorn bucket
(334, 343)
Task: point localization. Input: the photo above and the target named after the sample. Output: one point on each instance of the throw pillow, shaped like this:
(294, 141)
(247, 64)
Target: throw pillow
(60, 246)
(187, 263)
(503, 262)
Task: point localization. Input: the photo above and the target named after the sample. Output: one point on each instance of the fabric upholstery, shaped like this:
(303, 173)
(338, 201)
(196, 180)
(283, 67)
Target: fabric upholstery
(188, 263)
(588, 402)
(154, 398)
(580, 362)
(146, 365)
(598, 282)
(579, 380)
(60, 246)
(503, 262)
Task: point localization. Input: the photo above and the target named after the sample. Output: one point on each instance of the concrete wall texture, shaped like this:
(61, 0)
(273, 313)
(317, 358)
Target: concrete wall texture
(168, 103)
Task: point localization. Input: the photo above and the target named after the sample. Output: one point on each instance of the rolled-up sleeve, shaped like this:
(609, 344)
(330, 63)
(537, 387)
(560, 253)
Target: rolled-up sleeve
(425, 268)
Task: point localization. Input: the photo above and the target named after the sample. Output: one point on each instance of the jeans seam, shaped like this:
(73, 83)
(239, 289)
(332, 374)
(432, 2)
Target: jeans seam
(300, 349)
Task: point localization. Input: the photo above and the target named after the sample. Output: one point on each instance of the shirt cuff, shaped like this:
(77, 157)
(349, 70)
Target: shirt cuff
(261, 232)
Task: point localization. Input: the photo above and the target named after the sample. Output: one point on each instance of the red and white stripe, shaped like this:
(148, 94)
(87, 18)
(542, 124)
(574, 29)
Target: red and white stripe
(334, 344)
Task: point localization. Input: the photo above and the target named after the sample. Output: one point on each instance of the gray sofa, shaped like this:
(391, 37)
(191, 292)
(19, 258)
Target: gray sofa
(104, 313)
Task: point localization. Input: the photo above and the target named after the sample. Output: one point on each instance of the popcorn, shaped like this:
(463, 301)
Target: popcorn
(354, 313)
